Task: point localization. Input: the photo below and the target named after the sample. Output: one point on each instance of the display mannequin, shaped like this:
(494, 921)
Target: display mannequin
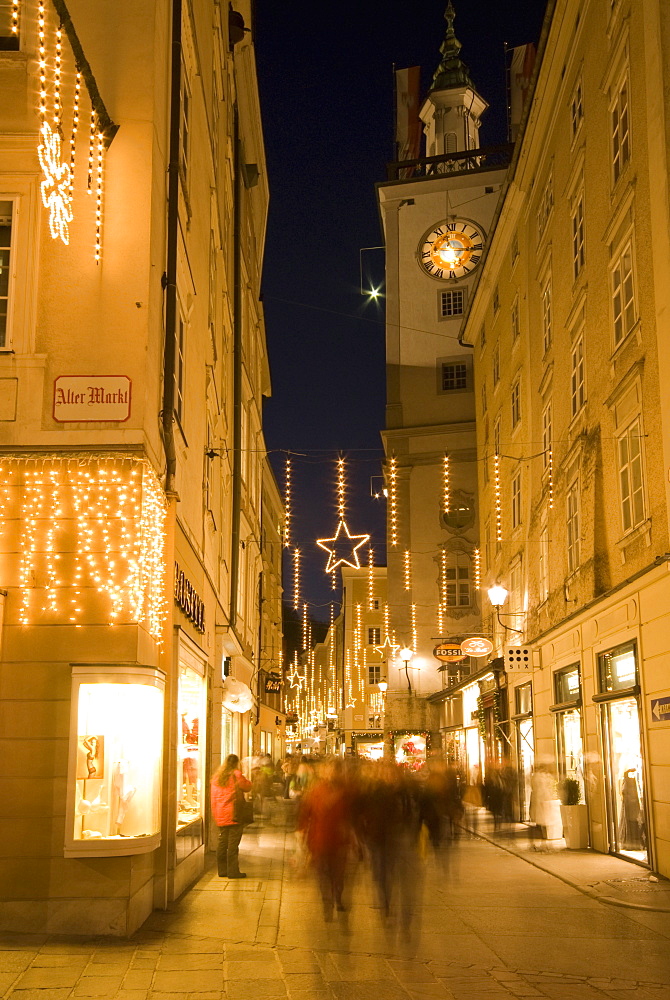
(124, 792)
(632, 834)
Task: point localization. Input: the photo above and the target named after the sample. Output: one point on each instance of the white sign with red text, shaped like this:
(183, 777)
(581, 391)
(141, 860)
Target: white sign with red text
(99, 398)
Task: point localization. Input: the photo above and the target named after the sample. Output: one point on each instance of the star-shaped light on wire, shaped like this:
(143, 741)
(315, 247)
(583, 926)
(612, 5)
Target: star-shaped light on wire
(295, 678)
(342, 540)
(388, 649)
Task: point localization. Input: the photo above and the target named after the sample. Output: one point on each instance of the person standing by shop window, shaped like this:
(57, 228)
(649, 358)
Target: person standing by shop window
(227, 784)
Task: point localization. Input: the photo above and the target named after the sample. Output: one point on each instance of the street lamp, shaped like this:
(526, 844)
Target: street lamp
(497, 597)
(406, 655)
(383, 686)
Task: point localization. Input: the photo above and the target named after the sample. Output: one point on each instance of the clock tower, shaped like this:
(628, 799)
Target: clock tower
(436, 218)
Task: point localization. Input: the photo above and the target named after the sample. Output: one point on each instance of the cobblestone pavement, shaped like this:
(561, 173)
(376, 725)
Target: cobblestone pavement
(481, 924)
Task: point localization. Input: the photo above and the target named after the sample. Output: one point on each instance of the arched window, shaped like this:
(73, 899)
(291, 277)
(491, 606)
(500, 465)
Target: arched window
(450, 142)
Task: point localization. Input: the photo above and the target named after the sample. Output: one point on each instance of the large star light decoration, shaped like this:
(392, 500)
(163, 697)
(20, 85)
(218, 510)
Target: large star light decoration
(388, 649)
(295, 678)
(55, 187)
(341, 541)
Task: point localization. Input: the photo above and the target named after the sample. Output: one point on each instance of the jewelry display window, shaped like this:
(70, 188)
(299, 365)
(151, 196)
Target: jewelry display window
(191, 745)
(115, 767)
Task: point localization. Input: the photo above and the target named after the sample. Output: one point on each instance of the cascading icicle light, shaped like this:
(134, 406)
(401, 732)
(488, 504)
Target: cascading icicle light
(415, 633)
(407, 569)
(42, 59)
(98, 196)
(305, 627)
(371, 579)
(393, 500)
(58, 64)
(551, 479)
(443, 578)
(15, 17)
(296, 579)
(75, 126)
(440, 619)
(287, 502)
(496, 490)
(477, 569)
(446, 495)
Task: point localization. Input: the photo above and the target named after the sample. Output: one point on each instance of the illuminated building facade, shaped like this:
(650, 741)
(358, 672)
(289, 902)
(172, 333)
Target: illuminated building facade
(133, 202)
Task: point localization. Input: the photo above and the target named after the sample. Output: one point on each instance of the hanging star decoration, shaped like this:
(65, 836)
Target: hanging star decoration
(388, 649)
(55, 188)
(295, 678)
(342, 542)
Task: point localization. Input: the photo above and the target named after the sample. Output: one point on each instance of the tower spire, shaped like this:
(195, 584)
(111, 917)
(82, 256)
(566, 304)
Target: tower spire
(452, 71)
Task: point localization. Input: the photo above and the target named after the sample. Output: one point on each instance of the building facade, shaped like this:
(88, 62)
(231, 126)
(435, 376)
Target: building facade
(567, 328)
(436, 214)
(133, 198)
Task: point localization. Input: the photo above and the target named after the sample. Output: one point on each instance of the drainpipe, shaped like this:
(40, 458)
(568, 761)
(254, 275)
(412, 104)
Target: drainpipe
(237, 376)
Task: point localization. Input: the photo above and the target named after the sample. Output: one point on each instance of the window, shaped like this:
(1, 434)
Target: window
(523, 699)
(572, 516)
(577, 236)
(515, 248)
(516, 500)
(546, 315)
(179, 369)
(374, 604)
(516, 328)
(577, 386)
(457, 581)
(184, 123)
(623, 295)
(566, 685)
(452, 303)
(461, 513)
(547, 435)
(496, 364)
(454, 377)
(618, 668)
(620, 130)
(543, 567)
(9, 26)
(545, 206)
(374, 673)
(577, 108)
(516, 403)
(630, 477)
(496, 299)
(5, 269)
(374, 636)
(484, 402)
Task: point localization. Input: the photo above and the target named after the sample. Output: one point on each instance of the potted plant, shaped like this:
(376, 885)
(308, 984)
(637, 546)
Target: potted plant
(574, 815)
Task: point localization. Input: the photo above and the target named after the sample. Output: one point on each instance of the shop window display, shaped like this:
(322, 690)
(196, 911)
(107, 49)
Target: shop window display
(191, 744)
(628, 833)
(115, 763)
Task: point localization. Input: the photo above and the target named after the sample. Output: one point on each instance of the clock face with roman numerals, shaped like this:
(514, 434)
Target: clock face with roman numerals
(452, 249)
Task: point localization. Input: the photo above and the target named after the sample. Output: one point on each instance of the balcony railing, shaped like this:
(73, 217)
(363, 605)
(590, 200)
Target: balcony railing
(463, 162)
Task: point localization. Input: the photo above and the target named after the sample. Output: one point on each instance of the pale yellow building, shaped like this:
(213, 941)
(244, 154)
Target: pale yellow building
(133, 202)
(568, 324)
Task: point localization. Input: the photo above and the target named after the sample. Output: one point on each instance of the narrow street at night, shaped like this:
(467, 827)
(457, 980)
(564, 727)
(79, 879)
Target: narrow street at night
(484, 922)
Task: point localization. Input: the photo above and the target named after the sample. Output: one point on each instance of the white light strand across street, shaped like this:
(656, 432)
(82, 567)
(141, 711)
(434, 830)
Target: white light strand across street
(91, 537)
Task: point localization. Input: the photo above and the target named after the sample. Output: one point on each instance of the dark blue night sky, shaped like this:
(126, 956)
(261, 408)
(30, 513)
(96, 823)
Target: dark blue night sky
(326, 83)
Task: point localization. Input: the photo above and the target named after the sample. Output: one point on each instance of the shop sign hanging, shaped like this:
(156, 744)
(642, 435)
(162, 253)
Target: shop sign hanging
(188, 600)
(448, 652)
(272, 685)
(476, 646)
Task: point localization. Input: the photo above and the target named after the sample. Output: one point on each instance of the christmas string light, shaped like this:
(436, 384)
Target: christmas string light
(91, 152)
(440, 619)
(75, 126)
(496, 491)
(477, 569)
(407, 569)
(371, 580)
(341, 490)
(305, 627)
(98, 198)
(443, 577)
(414, 629)
(551, 479)
(342, 531)
(42, 59)
(15, 17)
(446, 497)
(393, 501)
(58, 59)
(55, 187)
(296, 579)
(287, 502)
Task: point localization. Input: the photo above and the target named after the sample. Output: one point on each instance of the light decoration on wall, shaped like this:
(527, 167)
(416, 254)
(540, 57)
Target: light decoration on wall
(443, 577)
(58, 63)
(55, 187)
(407, 569)
(496, 493)
(15, 17)
(42, 60)
(287, 502)
(112, 511)
(393, 501)
(350, 701)
(371, 580)
(98, 197)
(551, 479)
(331, 636)
(75, 127)
(446, 494)
(342, 540)
(415, 634)
(440, 618)
(296, 579)
(305, 627)
(477, 560)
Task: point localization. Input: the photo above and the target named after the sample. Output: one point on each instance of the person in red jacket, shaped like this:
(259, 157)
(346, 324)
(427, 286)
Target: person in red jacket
(227, 781)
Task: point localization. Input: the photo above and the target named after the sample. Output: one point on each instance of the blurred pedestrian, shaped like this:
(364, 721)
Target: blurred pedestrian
(324, 820)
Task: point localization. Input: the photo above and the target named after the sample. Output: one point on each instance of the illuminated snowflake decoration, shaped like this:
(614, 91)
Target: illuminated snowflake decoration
(55, 187)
